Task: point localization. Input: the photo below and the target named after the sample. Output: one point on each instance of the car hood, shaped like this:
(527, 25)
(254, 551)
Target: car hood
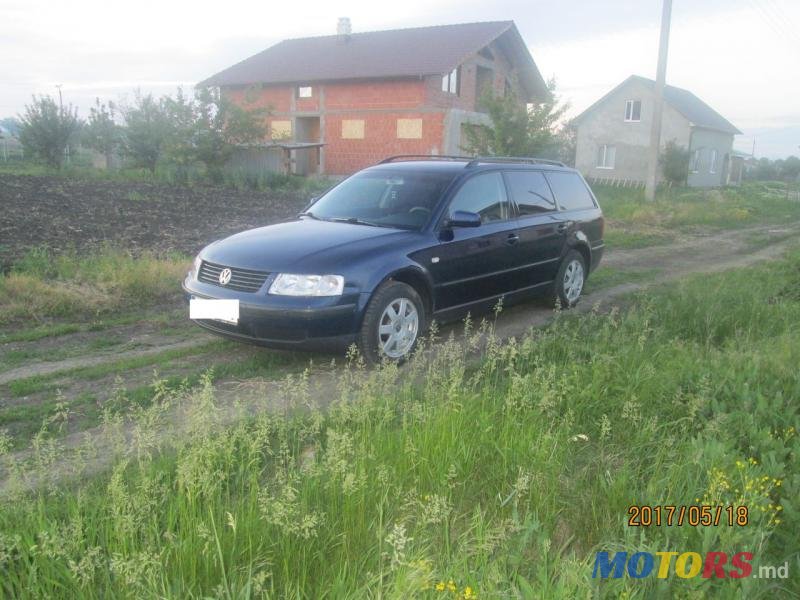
(304, 246)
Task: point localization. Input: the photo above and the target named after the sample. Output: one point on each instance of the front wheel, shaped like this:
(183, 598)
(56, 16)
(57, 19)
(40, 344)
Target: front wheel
(570, 279)
(394, 318)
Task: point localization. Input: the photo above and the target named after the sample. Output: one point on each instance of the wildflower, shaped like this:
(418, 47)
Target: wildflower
(440, 586)
(469, 594)
(451, 586)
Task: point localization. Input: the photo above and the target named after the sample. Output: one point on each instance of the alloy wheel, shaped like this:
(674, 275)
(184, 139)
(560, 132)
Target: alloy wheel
(573, 281)
(398, 328)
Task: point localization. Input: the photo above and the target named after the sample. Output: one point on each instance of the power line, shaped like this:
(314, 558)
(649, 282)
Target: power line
(774, 23)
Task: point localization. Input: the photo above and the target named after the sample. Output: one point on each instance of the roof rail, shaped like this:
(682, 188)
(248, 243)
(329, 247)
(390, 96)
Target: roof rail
(514, 159)
(399, 157)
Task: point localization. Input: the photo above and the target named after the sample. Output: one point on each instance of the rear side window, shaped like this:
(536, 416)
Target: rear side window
(530, 191)
(570, 191)
(483, 194)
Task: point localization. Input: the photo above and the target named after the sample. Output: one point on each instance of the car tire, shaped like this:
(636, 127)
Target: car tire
(386, 334)
(570, 279)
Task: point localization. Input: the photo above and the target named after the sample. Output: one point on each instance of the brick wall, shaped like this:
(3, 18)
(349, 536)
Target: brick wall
(374, 107)
(344, 156)
(374, 95)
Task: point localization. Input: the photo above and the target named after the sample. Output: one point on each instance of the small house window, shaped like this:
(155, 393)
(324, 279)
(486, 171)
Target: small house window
(305, 91)
(694, 161)
(712, 167)
(451, 82)
(633, 111)
(606, 156)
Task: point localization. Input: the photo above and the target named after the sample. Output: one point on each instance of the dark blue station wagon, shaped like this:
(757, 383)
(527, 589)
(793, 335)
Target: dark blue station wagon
(379, 256)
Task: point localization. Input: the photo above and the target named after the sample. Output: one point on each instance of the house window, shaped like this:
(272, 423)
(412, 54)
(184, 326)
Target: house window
(606, 156)
(280, 130)
(305, 91)
(694, 161)
(712, 167)
(353, 129)
(451, 83)
(633, 111)
(409, 129)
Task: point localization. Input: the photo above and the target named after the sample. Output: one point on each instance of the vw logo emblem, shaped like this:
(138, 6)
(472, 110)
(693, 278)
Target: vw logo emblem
(225, 276)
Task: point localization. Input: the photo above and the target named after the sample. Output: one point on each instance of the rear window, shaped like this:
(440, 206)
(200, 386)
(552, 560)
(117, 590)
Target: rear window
(531, 192)
(570, 191)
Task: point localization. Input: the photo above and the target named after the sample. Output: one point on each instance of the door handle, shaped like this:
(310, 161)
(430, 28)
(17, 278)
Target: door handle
(512, 239)
(562, 227)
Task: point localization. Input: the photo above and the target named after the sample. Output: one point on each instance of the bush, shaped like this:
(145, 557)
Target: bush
(674, 162)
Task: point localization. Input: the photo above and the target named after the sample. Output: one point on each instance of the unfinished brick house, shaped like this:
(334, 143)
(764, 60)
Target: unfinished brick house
(364, 96)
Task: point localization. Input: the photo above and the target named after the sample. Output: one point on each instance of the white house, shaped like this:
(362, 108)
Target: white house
(613, 134)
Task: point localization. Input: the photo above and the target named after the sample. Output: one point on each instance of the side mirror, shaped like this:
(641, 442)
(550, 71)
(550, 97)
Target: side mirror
(464, 218)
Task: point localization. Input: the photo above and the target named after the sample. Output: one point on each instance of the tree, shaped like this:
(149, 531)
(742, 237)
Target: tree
(674, 161)
(517, 129)
(567, 138)
(47, 128)
(790, 169)
(101, 132)
(220, 126)
(148, 129)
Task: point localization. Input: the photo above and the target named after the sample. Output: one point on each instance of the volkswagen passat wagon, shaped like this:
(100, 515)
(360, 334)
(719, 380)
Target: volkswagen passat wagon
(379, 256)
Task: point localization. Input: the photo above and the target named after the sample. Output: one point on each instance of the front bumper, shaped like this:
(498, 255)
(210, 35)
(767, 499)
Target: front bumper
(284, 322)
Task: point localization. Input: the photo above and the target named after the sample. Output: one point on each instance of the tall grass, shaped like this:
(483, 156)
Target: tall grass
(448, 478)
(44, 285)
(179, 175)
(688, 208)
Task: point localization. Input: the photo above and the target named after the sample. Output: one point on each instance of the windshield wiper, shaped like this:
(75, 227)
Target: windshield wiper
(357, 221)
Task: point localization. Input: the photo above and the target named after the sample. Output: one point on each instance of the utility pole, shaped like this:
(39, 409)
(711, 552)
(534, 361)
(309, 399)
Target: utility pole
(658, 108)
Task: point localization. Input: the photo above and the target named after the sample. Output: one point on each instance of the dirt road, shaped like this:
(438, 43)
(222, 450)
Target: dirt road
(60, 364)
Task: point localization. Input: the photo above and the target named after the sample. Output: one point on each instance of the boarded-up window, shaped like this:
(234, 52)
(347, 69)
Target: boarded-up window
(280, 130)
(353, 129)
(409, 129)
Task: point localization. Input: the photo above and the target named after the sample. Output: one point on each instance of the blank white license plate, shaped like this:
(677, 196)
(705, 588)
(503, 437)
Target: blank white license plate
(216, 309)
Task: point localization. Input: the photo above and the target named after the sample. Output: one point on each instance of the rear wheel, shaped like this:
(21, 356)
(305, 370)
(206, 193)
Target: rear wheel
(392, 323)
(570, 279)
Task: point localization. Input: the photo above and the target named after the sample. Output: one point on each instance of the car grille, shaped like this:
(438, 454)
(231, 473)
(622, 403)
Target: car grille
(242, 280)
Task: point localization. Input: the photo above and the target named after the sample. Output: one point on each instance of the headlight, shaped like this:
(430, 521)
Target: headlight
(196, 267)
(288, 284)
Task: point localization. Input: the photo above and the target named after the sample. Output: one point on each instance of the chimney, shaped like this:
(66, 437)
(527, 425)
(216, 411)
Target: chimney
(343, 27)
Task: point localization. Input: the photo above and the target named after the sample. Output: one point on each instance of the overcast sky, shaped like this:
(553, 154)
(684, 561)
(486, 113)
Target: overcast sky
(740, 56)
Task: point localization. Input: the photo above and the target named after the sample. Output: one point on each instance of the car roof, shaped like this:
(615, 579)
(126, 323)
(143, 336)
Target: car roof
(462, 166)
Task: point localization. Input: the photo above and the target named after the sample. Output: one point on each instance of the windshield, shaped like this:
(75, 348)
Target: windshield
(384, 199)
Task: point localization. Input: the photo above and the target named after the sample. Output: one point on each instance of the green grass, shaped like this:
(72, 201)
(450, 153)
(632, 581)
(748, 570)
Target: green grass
(38, 383)
(44, 286)
(608, 277)
(504, 476)
(634, 223)
(172, 175)
(25, 420)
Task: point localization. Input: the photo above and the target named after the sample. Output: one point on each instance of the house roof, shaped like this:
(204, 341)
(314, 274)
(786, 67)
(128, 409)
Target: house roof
(685, 102)
(380, 54)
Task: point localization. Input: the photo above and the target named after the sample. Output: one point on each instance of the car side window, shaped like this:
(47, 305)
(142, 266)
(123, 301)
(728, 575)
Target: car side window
(570, 190)
(484, 194)
(530, 191)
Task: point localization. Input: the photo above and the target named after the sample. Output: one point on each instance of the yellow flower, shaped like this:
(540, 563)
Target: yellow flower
(440, 586)
(451, 586)
(468, 594)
